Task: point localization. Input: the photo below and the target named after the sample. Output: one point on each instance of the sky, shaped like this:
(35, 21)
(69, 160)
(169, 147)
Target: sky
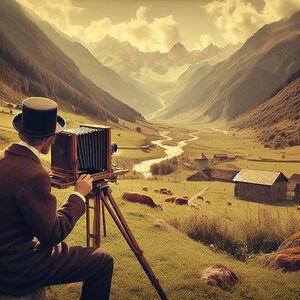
(152, 25)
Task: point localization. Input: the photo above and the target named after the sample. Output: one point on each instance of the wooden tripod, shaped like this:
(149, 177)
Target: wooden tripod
(102, 198)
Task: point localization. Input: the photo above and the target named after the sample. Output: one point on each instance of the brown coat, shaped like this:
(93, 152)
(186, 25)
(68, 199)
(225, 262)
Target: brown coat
(28, 210)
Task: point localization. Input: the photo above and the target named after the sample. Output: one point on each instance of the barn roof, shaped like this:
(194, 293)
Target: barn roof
(258, 177)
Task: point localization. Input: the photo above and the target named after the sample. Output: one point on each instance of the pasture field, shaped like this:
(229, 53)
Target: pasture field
(175, 258)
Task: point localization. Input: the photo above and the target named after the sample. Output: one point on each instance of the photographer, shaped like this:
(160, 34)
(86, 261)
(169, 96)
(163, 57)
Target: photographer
(32, 253)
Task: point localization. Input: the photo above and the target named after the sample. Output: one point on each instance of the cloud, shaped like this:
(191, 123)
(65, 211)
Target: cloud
(161, 34)
(205, 40)
(238, 19)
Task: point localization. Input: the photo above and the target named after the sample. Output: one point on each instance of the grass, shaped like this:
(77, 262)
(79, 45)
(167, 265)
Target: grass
(175, 258)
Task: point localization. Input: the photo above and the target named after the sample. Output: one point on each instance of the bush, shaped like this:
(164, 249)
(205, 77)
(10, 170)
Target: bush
(165, 167)
(239, 238)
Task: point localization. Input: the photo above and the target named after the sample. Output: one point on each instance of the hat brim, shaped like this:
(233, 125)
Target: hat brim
(60, 125)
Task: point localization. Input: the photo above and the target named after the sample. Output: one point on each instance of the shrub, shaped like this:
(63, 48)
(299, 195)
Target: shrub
(241, 238)
(165, 167)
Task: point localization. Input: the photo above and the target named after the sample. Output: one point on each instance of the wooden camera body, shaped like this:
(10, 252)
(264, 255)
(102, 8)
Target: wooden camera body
(77, 151)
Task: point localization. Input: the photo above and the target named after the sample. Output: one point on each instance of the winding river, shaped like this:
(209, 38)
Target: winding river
(170, 152)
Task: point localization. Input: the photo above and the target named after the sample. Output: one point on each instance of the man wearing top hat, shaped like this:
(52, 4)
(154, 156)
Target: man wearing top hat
(32, 230)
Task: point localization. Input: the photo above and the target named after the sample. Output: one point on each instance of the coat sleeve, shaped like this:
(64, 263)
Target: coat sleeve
(39, 208)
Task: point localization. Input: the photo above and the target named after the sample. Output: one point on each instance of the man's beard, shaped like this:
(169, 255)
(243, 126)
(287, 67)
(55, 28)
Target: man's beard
(46, 148)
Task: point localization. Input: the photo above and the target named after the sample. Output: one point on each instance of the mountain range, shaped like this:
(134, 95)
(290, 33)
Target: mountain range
(245, 79)
(156, 72)
(127, 91)
(31, 64)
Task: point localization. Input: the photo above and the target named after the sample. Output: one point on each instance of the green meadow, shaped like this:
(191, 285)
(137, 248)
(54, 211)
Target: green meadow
(175, 258)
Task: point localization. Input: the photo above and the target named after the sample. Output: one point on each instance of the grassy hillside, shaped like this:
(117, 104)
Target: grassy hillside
(277, 121)
(32, 65)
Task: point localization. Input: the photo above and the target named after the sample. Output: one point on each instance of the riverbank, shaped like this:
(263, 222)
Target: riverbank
(170, 152)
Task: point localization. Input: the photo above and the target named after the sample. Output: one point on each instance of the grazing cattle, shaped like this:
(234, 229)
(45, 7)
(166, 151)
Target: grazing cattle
(200, 198)
(170, 192)
(145, 188)
(156, 191)
(140, 198)
(195, 205)
(229, 203)
(181, 201)
(163, 190)
(298, 207)
(171, 199)
(207, 201)
(186, 197)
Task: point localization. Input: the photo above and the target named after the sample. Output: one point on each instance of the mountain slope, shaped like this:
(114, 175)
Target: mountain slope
(246, 78)
(33, 65)
(276, 121)
(102, 76)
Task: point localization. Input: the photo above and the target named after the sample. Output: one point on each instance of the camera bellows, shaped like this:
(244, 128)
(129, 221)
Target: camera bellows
(86, 149)
(91, 149)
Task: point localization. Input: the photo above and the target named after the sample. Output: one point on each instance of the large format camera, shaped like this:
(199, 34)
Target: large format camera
(87, 149)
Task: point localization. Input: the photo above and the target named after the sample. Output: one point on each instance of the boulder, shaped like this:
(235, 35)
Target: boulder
(219, 276)
(291, 242)
(287, 259)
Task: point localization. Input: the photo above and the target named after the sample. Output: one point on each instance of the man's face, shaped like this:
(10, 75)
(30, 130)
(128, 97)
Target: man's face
(47, 145)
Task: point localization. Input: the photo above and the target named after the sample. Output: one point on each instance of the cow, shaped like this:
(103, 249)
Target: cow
(163, 190)
(170, 199)
(140, 198)
(156, 191)
(298, 207)
(207, 201)
(145, 188)
(186, 197)
(229, 203)
(181, 201)
(195, 205)
(200, 198)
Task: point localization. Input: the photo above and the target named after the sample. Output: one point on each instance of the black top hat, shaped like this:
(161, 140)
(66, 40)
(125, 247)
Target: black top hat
(39, 118)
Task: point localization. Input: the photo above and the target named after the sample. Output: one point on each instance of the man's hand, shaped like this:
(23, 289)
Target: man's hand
(84, 184)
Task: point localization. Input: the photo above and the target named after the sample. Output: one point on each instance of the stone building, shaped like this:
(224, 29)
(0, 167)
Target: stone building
(202, 162)
(260, 186)
(208, 174)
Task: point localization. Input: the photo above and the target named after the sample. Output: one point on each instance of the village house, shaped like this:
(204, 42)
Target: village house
(221, 157)
(202, 162)
(208, 174)
(260, 186)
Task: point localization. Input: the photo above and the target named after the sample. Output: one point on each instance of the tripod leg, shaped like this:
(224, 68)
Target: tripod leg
(103, 218)
(97, 222)
(127, 234)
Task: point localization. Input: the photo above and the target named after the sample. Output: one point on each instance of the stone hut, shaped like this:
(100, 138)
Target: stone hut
(221, 157)
(202, 162)
(260, 186)
(208, 174)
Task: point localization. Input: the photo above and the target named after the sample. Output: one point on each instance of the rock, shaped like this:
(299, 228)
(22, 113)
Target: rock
(219, 276)
(287, 260)
(39, 294)
(287, 257)
(291, 242)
